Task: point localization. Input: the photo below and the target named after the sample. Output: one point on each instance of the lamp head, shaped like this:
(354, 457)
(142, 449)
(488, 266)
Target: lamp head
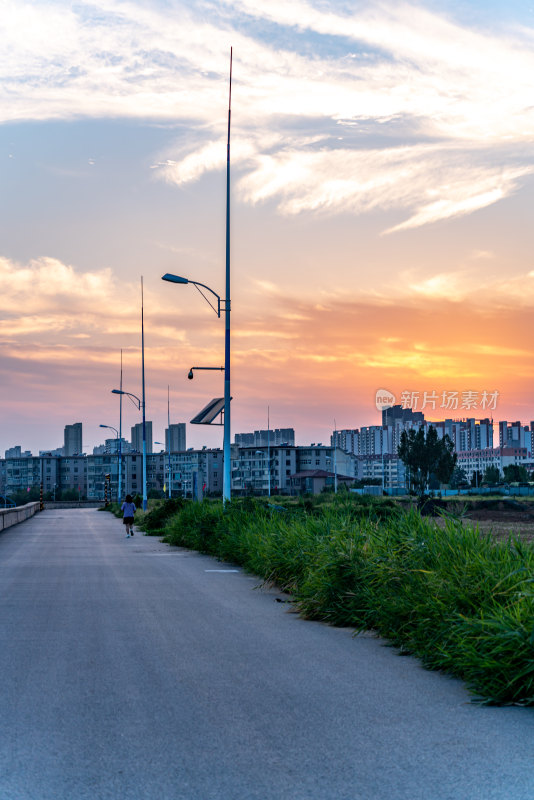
(173, 278)
(190, 374)
(117, 391)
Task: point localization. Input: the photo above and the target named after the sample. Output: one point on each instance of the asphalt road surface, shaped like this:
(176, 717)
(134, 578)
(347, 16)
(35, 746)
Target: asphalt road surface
(134, 671)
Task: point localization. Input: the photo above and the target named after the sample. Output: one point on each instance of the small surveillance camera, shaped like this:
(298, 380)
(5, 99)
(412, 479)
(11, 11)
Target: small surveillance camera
(190, 375)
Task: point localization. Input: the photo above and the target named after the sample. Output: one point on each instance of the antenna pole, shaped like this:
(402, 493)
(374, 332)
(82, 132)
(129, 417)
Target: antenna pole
(145, 501)
(227, 468)
(119, 488)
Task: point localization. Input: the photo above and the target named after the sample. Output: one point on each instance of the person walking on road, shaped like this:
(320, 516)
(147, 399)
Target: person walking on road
(128, 509)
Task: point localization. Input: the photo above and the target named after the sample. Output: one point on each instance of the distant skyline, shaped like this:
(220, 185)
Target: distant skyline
(158, 446)
(382, 186)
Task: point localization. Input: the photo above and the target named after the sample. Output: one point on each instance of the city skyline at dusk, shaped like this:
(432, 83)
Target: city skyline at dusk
(382, 179)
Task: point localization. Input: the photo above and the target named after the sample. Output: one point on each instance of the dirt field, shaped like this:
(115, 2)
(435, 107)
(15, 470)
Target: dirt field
(506, 525)
(501, 519)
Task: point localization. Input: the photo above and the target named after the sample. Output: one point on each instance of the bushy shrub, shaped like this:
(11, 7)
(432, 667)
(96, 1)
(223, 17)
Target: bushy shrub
(153, 523)
(451, 596)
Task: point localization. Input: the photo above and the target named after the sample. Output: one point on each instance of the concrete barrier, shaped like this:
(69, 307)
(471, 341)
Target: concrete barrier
(12, 516)
(73, 504)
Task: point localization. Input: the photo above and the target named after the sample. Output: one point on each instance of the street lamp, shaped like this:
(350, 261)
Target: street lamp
(330, 459)
(226, 304)
(118, 456)
(227, 468)
(168, 454)
(140, 405)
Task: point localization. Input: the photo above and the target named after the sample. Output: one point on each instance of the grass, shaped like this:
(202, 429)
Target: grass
(448, 594)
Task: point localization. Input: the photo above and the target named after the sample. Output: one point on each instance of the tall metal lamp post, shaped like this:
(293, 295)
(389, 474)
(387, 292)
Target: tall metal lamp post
(140, 405)
(227, 491)
(119, 460)
(227, 471)
(168, 454)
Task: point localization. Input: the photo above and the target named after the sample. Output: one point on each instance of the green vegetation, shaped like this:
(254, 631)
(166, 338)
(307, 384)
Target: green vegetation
(458, 478)
(515, 473)
(153, 522)
(23, 496)
(492, 476)
(429, 460)
(456, 599)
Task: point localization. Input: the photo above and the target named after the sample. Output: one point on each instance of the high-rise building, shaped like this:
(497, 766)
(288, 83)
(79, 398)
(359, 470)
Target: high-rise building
(270, 436)
(395, 414)
(137, 437)
(175, 438)
(347, 439)
(514, 434)
(73, 440)
(14, 452)
(112, 446)
(244, 439)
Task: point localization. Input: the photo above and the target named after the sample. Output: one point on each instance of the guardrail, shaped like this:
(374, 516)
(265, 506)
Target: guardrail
(12, 516)
(73, 503)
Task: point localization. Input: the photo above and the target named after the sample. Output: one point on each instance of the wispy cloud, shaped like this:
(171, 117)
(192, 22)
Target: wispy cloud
(438, 183)
(451, 106)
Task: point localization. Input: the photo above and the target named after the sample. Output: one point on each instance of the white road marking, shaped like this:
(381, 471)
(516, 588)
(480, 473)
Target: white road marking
(221, 570)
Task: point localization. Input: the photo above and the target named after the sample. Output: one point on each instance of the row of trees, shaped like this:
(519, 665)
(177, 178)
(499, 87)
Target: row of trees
(22, 496)
(513, 473)
(431, 461)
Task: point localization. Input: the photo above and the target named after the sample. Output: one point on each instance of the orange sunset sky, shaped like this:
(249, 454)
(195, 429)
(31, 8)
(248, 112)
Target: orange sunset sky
(382, 187)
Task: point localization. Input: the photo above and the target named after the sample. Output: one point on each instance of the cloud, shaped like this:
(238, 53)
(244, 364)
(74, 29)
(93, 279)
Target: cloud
(47, 283)
(334, 354)
(437, 182)
(450, 105)
(470, 285)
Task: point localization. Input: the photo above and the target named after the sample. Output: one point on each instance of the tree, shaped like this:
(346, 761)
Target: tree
(70, 495)
(23, 496)
(426, 457)
(476, 479)
(492, 476)
(515, 473)
(458, 478)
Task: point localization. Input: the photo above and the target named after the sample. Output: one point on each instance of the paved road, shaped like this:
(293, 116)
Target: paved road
(133, 671)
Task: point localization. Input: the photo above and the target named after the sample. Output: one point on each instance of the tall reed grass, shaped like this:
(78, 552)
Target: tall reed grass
(451, 596)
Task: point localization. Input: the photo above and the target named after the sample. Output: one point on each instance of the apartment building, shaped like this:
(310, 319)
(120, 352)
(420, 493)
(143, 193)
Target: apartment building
(270, 437)
(465, 434)
(73, 440)
(386, 468)
(175, 438)
(25, 473)
(514, 434)
(257, 471)
(472, 461)
(137, 437)
(112, 446)
(274, 469)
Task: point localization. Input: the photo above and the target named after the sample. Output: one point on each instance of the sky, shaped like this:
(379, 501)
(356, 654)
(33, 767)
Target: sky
(382, 183)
